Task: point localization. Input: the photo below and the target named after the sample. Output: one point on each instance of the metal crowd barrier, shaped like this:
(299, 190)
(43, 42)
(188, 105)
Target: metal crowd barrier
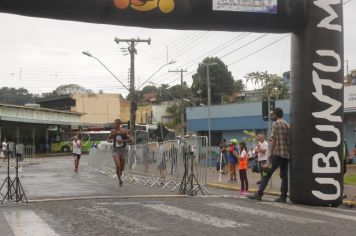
(143, 161)
(29, 152)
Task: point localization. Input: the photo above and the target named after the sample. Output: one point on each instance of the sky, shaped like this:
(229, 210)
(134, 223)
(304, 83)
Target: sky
(41, 54)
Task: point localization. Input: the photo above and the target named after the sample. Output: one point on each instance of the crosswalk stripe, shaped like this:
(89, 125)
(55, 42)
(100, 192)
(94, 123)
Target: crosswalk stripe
(28, 223)
(266, 214)
(312, 211)
(118, 221)
(195, 216)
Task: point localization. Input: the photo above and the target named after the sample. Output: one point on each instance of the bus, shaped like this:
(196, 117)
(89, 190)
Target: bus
(148, 133)
(63, 142)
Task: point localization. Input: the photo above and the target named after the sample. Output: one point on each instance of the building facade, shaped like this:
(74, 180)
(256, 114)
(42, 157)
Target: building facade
(31, 126)
(231, 120)
(97, 109)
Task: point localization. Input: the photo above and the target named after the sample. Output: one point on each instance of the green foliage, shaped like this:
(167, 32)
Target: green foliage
(270, 84)
(350, 179)
(67, 89)
(222, 81)
(251, 136)
(176, 111)
(14, 96)
(150, 89)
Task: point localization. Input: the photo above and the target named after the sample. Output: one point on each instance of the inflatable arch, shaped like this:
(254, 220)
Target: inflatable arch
(316, 66)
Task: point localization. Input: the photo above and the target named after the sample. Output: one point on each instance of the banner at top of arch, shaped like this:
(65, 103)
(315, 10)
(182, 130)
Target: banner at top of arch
(227, 15)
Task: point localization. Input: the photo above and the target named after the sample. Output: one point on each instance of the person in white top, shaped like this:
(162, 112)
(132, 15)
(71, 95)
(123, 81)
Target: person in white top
(4, 148)
(76, 148)
(161, 161)
(262, 152)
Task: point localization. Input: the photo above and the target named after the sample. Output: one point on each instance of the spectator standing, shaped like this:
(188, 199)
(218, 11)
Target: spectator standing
(224, 156)
(233, 155)
(280, 156)
(20, 151)
(243, 160)
(262, 152)
(161, 161)
(4, 148)
(11, 149)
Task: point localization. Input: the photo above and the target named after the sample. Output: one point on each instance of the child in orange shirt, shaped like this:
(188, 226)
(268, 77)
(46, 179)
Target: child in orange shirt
(243, 160)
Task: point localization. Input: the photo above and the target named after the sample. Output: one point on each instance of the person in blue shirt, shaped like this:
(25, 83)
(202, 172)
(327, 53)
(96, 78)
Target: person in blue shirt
(233, 157)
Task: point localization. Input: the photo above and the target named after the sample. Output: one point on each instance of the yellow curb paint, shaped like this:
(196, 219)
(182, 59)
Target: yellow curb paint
(224, 187)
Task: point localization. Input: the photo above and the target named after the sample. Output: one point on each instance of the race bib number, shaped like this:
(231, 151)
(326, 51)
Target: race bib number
(118, 141)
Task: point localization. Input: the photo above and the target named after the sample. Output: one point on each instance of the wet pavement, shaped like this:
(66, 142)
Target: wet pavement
(54, 177)
(213, 215)
(142, 210)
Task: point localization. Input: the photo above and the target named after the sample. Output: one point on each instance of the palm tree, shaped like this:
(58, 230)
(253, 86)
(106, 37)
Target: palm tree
(272, 85)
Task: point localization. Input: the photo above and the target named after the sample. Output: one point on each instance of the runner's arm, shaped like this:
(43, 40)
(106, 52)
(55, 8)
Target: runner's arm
(110, 138)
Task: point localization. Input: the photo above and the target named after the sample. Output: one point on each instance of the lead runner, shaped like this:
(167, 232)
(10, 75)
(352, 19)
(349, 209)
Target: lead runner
(120, 137)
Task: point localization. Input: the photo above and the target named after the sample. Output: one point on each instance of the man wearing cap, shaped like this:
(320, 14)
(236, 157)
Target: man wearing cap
(233, 150)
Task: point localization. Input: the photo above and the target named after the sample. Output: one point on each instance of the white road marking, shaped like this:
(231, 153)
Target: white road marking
(119, 221)
(28, 223)
(266, 214)
(195, 216)
(310, 210)
(119, 203)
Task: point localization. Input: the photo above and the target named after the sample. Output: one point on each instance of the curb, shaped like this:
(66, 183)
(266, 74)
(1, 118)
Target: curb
(103, 197)
(224, 187)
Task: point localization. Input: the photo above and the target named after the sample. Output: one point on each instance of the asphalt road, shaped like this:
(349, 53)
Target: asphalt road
(135, 210)
(214, 215)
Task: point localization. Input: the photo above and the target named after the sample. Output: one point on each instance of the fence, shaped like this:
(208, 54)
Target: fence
(29, 152)
(142, 165)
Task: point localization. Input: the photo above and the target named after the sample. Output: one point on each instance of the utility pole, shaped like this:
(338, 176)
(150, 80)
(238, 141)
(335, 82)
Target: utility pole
(209, 105)
(347, 70)
(132, 50)
(181, 71)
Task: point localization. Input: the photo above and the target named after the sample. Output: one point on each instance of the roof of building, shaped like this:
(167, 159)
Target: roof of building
(54, 98)
(40, 109)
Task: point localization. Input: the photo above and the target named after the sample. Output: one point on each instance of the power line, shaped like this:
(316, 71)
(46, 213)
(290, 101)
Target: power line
(257, 51)
(245, 45)
(214, 50)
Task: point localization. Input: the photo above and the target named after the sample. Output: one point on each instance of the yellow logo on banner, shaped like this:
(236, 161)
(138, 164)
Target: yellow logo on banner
(166, 6)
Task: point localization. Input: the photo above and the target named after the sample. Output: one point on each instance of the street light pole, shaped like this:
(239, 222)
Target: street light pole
(97, 59)
(209, 105)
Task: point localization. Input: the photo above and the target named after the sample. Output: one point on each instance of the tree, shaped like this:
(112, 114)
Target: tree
(221, 80)
(239, 85)
(67, 89)
(150, 89)
(14, 96)
(180, 92)
(271, 84)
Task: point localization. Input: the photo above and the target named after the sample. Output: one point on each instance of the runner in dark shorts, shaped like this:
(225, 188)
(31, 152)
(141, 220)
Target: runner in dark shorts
(119, 137)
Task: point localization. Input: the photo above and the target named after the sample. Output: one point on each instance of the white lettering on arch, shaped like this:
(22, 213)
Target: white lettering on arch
(324, 143)
(324, 196)
(325, 68)
(326, 159)
(318, 94)
(326, 22)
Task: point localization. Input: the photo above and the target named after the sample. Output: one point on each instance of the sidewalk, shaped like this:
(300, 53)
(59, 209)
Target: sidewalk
(273, 186)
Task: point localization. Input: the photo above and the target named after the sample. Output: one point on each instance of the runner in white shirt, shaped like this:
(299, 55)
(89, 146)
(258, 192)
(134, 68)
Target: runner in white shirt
(76, 147)
(262, 153)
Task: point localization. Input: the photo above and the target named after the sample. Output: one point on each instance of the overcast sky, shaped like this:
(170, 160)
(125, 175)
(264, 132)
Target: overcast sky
(41, 54)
